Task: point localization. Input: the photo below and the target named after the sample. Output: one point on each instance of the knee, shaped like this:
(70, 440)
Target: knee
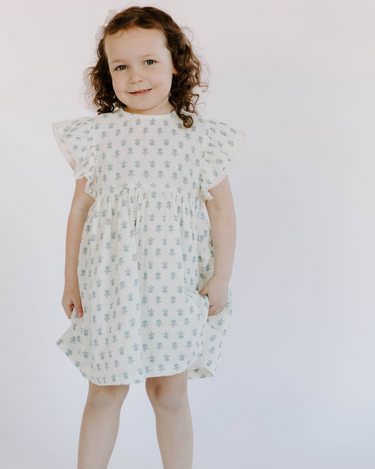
(104, 395)
(163, 395)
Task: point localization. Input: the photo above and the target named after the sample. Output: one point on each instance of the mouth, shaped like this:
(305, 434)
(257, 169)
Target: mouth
(140, 92)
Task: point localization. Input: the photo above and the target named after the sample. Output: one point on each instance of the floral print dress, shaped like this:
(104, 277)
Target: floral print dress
(146, 248)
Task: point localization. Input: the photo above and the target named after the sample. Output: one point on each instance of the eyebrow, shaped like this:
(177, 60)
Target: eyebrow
(142, 56)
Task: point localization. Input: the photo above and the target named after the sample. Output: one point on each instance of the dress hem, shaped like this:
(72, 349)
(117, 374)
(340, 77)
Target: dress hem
(196, 372)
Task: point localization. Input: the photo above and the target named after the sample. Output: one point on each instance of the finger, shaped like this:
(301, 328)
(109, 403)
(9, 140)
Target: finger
(218, 310)
(79, 310)
(214, 312)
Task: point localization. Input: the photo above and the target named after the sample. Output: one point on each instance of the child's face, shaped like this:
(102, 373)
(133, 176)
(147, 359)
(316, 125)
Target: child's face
(143, 63)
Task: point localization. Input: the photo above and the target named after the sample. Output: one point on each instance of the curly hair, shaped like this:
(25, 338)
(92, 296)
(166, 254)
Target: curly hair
(98, 78)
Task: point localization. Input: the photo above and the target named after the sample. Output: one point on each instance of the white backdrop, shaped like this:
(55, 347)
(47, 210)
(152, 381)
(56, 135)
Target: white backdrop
(295, 387)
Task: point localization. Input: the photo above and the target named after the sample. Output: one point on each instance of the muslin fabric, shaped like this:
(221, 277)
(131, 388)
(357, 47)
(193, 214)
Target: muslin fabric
(146, 248)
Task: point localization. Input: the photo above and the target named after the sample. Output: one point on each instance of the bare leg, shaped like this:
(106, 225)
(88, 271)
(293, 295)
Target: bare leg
(174, 427)
(100, 424)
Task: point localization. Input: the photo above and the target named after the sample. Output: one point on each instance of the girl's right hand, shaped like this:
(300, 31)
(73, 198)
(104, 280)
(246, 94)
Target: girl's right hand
(72, 299)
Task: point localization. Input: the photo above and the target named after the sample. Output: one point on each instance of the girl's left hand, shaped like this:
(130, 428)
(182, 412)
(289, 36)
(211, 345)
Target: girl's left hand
(216, 289)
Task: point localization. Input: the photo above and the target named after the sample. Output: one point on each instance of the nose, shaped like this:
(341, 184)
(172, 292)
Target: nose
(135, 76)
(136, 79)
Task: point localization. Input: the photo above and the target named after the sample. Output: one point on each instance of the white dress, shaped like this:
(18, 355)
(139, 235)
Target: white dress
(146, 248)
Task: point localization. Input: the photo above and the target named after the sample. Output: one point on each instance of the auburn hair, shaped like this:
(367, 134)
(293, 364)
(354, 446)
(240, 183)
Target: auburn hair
(99, 81)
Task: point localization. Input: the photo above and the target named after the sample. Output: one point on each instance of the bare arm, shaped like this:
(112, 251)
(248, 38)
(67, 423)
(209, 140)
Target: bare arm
(223, 228)
(80, 207)
(223, 232)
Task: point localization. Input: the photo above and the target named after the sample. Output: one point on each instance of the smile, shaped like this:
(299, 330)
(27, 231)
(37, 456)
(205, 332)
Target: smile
(142, 92)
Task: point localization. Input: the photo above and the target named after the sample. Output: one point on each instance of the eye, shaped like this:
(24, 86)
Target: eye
(148, 60)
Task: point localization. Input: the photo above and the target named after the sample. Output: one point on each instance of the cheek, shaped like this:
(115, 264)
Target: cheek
(160, 79)
(119, 84)
(115, 82)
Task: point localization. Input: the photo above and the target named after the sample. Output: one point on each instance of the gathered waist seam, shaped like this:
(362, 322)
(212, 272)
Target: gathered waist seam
(134, 189)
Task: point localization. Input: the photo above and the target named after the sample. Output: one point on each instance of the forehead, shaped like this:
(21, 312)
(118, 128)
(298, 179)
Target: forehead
(135, 44)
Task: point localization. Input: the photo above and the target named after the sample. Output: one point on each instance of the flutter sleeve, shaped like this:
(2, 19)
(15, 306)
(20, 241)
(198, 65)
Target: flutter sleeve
(223, 142)
(75, 140)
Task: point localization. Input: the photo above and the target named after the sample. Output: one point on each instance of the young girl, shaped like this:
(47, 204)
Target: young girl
(146, 276)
